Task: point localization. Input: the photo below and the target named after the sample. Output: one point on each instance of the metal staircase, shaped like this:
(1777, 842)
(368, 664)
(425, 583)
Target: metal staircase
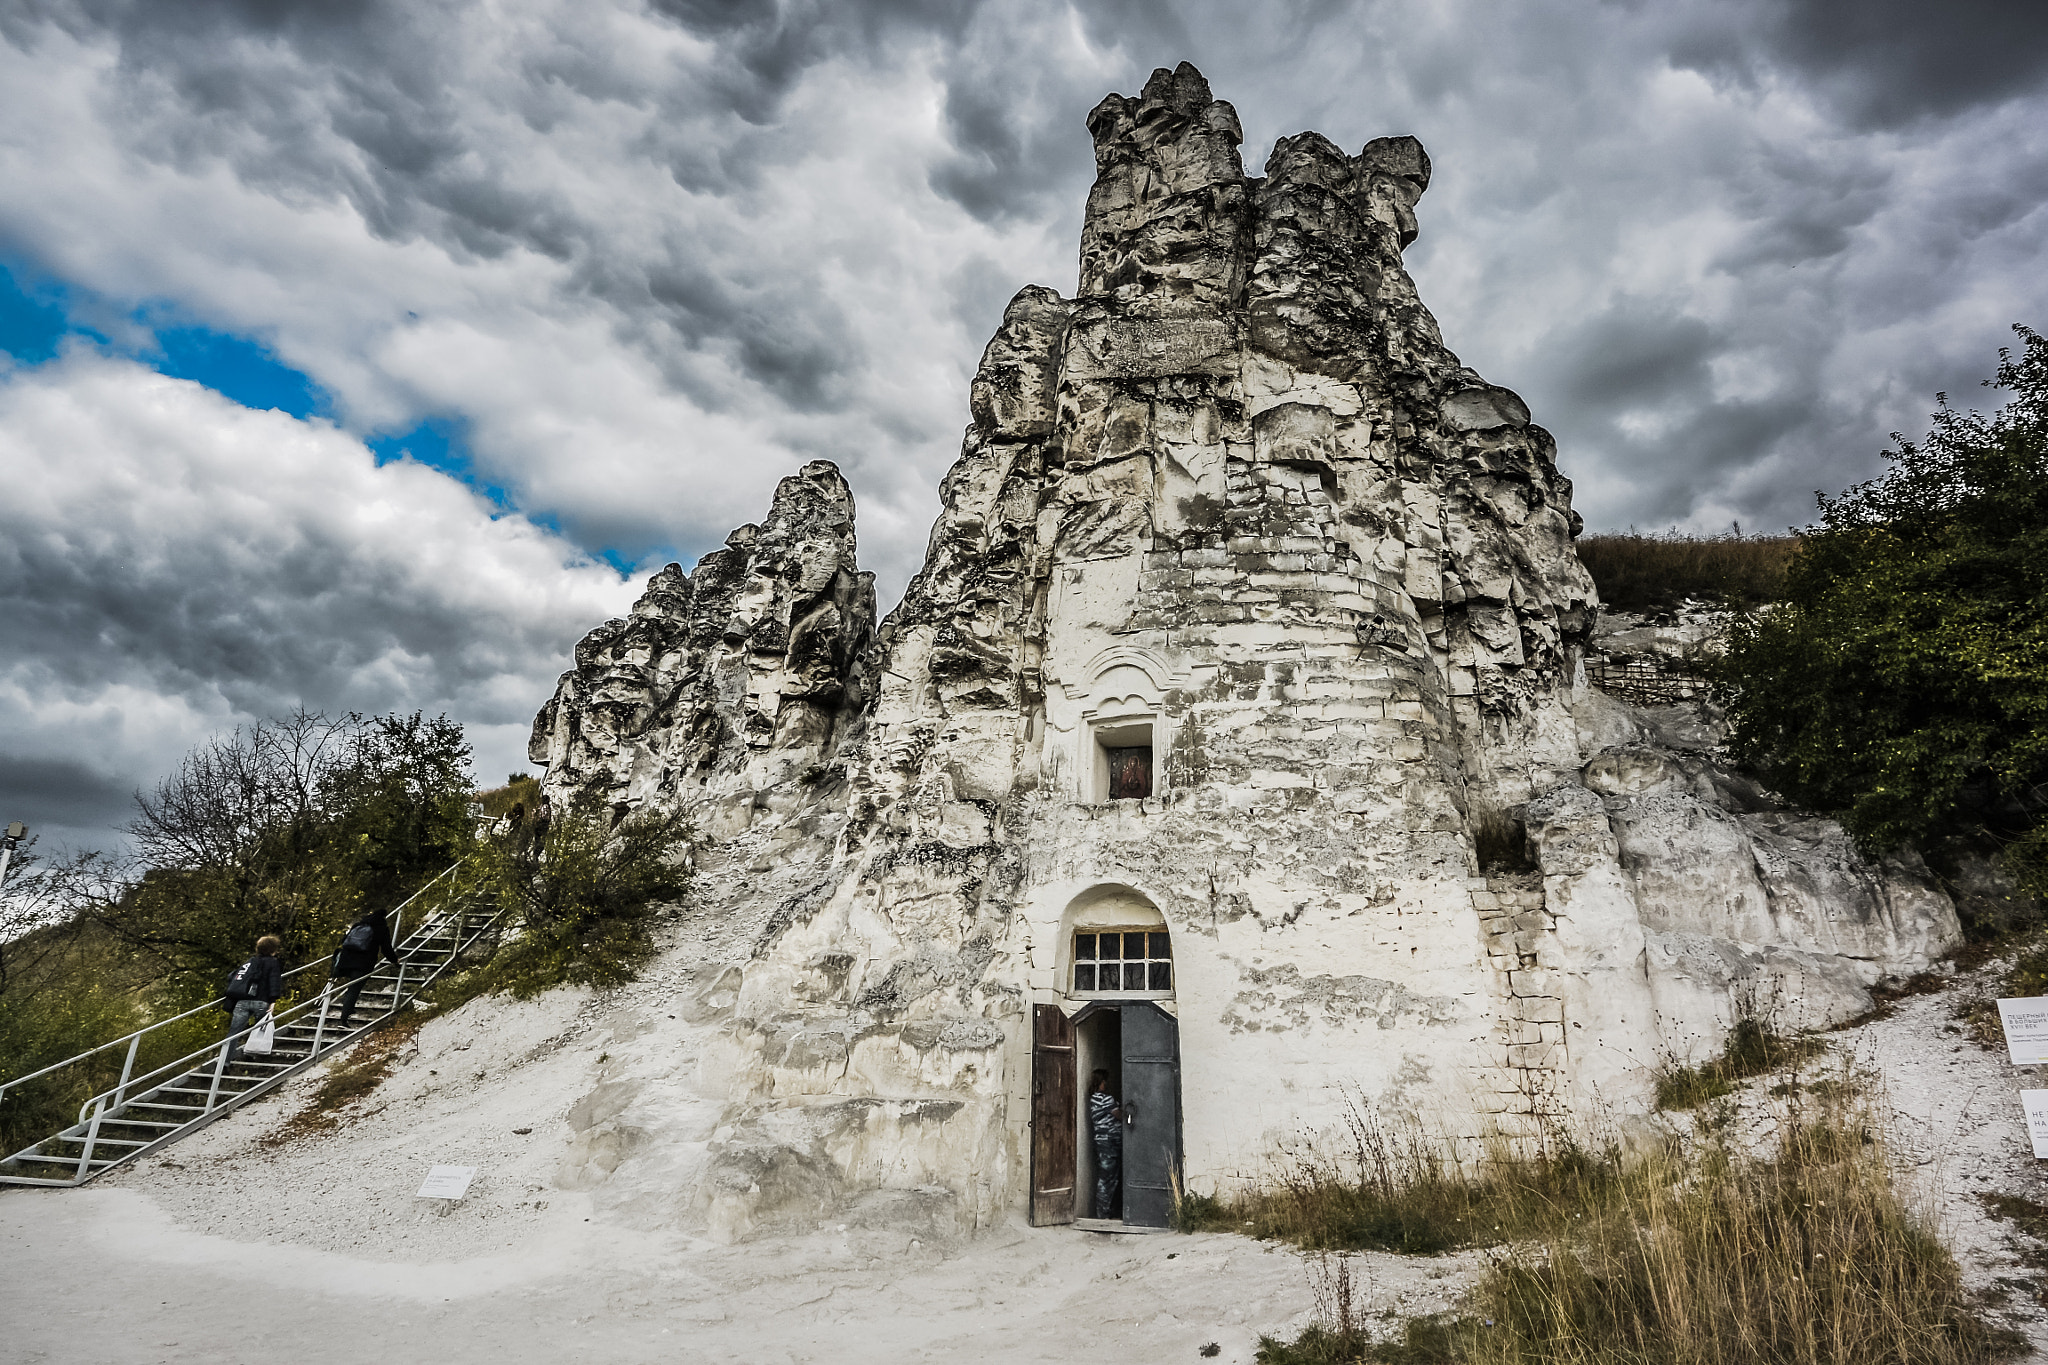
(141, 1114)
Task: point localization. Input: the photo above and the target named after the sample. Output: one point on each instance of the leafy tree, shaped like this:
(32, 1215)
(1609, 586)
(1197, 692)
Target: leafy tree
(290, 827)
(1902, 679)
(50, 1009)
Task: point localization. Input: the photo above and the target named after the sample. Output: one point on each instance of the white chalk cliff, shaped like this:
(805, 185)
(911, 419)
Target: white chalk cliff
(1247, 606)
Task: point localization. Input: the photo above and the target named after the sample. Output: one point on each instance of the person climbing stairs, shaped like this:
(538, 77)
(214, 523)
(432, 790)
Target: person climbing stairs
(143, 1114)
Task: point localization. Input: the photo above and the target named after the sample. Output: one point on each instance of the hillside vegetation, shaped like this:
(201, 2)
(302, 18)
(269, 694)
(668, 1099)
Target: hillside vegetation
(296, 827)
(1652, 574)
(1902, 677)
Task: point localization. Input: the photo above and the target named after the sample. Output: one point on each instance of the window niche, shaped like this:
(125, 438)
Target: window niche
(1124, 764)
(1115, 943)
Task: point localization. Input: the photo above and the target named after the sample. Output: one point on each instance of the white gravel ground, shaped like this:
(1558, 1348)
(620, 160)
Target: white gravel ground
(227, 1250)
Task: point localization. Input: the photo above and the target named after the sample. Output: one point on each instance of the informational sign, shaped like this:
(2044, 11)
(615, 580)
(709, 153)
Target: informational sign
(2036, 1102)
(2026, 1029)
(452, 1182)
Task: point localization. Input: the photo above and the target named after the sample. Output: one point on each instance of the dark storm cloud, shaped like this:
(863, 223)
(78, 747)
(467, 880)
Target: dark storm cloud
(1881, 62)
(62, 792)
(1646, 371)
(353, 100)
(1638, 354)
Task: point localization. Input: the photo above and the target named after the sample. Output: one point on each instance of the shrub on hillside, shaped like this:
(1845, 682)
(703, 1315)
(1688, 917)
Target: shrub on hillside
(1902, 679)
(582, 895)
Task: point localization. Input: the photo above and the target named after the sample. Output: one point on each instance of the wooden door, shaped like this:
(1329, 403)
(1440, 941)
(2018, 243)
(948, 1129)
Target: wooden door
(1052, 1116)
(1151, 1099)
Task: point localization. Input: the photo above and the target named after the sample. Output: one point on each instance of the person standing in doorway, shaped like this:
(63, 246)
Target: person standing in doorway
(254, 988)
(366, 939)
(1106, 1127)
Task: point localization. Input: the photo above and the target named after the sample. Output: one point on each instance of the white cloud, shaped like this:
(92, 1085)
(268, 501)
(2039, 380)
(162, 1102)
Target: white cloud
(174, 564)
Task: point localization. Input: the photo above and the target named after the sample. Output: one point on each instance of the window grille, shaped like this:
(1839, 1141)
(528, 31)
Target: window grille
(1123, 963)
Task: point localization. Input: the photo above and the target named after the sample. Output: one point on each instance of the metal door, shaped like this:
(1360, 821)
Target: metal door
(1052, 1116)
(1151, 1101)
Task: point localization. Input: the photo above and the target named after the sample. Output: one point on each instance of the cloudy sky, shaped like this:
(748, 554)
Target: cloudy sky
(361, 355)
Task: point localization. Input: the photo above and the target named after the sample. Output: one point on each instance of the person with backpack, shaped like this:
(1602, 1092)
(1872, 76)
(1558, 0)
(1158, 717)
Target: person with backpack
(365, 940)
(252, 989)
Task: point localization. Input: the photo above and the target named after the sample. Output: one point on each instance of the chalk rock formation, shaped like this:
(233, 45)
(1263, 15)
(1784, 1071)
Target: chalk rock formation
(729, 680)
(1247, 660)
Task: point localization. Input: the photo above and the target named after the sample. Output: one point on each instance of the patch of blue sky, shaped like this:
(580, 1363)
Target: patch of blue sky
(37, 314)
(237, 368)
(33, 316)
(438, 443)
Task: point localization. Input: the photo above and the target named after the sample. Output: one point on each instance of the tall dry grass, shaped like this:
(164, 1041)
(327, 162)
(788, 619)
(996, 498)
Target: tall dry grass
(1796, 1251)
(1648, 574)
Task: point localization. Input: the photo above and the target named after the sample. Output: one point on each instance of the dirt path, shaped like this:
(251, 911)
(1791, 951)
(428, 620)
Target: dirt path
(116, 1279)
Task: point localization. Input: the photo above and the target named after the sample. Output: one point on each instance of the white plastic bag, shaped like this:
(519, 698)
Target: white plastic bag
(263, 1038)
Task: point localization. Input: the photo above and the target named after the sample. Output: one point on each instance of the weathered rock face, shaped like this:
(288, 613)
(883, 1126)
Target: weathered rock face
(1248, 613)
(726, 681)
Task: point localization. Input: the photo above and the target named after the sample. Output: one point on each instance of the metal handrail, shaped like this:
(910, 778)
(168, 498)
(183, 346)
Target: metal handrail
(134, 1039)
(118, 1093)
(108, 1104)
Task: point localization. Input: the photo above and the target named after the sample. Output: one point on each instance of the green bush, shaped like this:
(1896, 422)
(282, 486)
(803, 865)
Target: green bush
(1902, 678)
(292, 827)
(582, 896)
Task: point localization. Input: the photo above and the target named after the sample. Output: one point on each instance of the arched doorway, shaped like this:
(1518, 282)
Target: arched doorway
(1117, 977)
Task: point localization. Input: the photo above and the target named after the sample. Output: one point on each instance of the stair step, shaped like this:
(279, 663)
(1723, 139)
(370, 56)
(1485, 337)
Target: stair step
(458, 928)
(57, 1160)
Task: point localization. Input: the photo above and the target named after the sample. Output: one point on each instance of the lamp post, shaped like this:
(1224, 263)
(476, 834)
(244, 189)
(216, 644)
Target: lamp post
(7, 843)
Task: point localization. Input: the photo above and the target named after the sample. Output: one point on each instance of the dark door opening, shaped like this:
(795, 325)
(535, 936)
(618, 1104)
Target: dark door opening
(1098, 1046)
(1138, 1045)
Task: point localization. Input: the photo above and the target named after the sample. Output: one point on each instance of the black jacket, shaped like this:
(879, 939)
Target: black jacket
(348, 962)
(265, 980)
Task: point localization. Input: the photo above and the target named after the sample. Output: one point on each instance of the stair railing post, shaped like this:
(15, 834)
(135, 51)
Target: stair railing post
(220, 1065)
(320, 1027)
(92, 1135)
(127, 1070)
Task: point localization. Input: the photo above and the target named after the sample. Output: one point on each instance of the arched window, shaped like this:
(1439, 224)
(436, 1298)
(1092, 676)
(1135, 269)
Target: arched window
(1116, 943)
(1123, 962)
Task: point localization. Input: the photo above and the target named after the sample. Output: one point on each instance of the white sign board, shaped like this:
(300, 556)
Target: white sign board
(2036, 1103)
(452, 1182)
(2026, 1029)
